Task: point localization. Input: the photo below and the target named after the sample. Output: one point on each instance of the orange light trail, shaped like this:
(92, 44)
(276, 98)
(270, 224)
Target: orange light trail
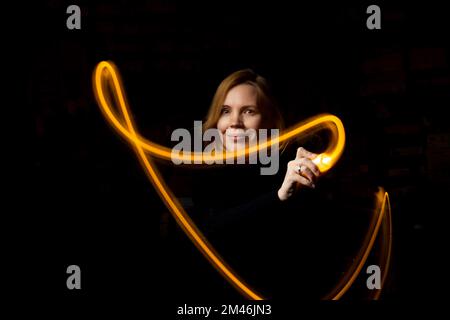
(106, 74)
(106, 77)
(381, 218)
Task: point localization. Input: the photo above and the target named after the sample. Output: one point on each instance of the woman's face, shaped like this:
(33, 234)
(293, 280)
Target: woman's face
(239, 114)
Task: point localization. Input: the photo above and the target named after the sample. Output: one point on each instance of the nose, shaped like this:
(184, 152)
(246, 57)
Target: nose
(236, 120)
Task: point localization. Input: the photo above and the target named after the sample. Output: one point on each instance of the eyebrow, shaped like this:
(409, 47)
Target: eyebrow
(245, 106)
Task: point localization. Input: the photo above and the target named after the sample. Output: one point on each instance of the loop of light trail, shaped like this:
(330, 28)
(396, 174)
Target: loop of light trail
(107, 77)
(106, 74)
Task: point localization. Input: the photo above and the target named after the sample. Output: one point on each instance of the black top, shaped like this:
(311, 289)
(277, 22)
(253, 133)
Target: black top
(274, 246)
(239, 211)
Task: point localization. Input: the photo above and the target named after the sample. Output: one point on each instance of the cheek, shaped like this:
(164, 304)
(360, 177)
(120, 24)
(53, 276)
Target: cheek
(254, 122)
(221, 125)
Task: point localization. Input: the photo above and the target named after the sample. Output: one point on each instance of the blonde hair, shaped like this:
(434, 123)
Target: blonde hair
(271, 115)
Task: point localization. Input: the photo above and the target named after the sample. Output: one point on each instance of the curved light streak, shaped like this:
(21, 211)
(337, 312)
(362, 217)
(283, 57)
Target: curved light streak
(381, 218)
(107, 77)
(106, 74)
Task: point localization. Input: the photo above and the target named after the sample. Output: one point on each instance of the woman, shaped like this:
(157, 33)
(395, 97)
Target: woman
(239, 209)
(242, 102)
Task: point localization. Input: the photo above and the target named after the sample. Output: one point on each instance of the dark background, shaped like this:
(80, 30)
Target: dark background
(90, 203)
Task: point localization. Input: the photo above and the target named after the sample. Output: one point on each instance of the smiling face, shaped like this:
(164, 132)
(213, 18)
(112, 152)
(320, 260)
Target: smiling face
(239, 113)
(242, 101)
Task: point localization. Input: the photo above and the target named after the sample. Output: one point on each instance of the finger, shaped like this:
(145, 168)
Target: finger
(303, 153)
(306, 172)
(302, 181)
(309, 164)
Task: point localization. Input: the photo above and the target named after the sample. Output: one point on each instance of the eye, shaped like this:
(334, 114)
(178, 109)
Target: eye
(224, 110)
(250, 111)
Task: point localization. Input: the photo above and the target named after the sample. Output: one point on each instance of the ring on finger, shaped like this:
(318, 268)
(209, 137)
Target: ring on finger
(299, 169)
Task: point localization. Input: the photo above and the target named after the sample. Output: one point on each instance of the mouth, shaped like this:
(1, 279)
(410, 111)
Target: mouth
(235, 134)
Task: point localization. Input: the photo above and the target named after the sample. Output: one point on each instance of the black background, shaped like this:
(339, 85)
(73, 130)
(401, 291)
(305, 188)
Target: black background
(90, 203)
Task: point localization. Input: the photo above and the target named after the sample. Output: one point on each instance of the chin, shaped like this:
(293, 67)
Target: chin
(232, 146)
